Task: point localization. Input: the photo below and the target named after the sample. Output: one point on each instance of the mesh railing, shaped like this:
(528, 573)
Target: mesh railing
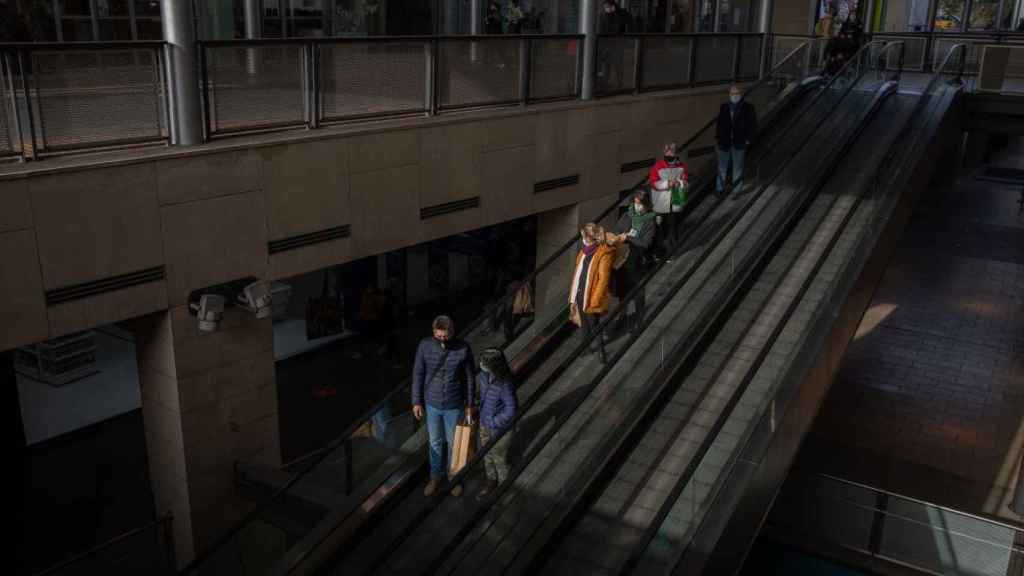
(615, 65)
(555, 68)
(360, 79)
(897, 528)
(253, 87)
(665, 61)
(715, 58)
(9, 144)
(62, 97)
(479, 73)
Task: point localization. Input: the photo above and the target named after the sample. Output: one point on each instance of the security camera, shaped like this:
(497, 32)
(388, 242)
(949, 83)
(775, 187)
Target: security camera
(209, 311)
(256, 298)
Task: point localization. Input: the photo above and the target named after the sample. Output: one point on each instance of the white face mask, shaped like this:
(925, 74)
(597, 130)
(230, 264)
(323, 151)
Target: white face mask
(638, 208)
(734, 98)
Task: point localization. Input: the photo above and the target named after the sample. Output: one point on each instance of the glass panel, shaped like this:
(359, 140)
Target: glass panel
(984, 14)
(271, 8)
(682, 15)
(307, 8)
(949, 15)
(736, 15)
(149, 29)
(305, 27)
(115, 29)
(271, 28)
(707, 16)
(77, 29)
(111, 8)
(147, 8)
(75, 7)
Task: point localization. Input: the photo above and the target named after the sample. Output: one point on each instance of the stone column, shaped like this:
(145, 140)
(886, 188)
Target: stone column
(208, 400)
(554, 228)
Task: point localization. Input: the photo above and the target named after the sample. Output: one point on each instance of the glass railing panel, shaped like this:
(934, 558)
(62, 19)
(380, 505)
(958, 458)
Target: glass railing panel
(715, 58)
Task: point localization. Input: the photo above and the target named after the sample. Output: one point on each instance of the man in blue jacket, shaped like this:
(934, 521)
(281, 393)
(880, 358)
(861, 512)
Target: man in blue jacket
(737, 126)
(442, 390)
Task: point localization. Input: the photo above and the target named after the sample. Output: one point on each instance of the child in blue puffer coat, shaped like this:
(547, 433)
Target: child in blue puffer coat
(497, 407)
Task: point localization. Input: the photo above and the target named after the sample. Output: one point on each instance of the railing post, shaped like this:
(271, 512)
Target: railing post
(638, 64)
(172, 554)
(928, 56)
(311, 79)
(431, 53)
(690, 72)
(6, 64)
(1018, 496)
(348, 466)
(524, 71)
(588, 27)
(23, 70)
(178, 26)
(736, 58)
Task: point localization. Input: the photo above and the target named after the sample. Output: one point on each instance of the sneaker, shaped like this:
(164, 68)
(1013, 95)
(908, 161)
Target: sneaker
(431, 487)
(486, 490)
(457, 490)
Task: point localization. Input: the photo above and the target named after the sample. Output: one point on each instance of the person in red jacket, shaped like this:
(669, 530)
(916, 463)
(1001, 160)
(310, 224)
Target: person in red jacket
(668, 172)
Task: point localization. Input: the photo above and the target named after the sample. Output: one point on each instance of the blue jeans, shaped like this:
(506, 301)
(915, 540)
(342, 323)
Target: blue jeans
(724, 154)
(441, 432)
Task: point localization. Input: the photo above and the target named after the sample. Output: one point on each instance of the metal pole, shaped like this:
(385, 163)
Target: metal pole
(251, 11)
(524, 71)
(178, 33)
(1018, 497)
(588, 27)
(765, 28)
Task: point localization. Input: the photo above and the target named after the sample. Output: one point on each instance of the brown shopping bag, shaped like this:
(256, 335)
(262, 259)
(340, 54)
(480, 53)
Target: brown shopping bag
(463, 447)
(523, 303)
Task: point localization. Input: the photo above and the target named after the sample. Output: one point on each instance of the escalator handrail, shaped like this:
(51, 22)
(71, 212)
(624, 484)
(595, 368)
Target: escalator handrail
(885, 165)
(318, 456)
(683, 348)
(705, 446)
(606, 320)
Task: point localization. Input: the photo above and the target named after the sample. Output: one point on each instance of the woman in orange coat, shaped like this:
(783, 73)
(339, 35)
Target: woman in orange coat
(588, 294)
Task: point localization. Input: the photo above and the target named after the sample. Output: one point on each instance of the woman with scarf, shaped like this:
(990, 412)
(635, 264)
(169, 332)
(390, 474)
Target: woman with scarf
(588, 294)
(496, 409)
(636, 227)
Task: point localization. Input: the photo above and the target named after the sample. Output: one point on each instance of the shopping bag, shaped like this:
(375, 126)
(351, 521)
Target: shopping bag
(462, 447)
(523, 303)
(325, 315)
(678, 195)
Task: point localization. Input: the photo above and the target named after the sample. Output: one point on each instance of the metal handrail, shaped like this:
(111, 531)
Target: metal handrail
(167, 520)
(875, 489)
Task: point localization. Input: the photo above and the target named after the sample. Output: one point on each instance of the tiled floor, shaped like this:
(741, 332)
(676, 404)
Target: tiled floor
(929, 402)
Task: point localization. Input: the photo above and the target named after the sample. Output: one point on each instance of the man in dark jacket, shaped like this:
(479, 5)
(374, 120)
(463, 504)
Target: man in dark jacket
(737, 126)
(610, 63)
(442, 390)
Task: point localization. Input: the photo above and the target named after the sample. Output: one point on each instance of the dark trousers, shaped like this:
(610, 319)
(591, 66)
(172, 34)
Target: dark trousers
(590, 322)
(496, 458)
(668, 233)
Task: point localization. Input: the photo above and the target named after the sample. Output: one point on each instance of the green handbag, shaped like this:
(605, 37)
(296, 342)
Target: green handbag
(678, 195)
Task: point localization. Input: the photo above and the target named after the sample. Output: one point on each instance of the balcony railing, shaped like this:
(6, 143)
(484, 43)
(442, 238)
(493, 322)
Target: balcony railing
(58, 98)
(72, 96)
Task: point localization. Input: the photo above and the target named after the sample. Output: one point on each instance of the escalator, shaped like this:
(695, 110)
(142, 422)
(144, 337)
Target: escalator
(552, 440)
(361, 493)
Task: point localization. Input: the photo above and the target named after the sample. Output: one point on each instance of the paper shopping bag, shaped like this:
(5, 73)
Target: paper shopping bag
(462, 448)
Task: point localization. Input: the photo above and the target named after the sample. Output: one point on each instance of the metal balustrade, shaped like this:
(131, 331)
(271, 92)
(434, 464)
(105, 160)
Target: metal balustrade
(66, 97)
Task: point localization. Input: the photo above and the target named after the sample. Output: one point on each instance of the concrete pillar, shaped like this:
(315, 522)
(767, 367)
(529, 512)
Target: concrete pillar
(178, 33)
(588, 27)
(1018, 496)
(208, 400)
(554, 228)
